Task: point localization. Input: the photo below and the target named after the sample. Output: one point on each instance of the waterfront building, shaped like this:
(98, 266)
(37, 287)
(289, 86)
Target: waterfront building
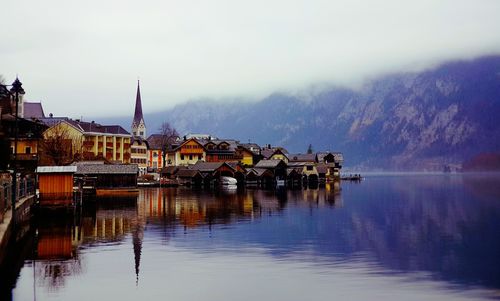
(246, 156)
(108, 176)
(139, 153)
(91, 140)
(274, 153)
(29, 132)
(186, 153)
(220, 150)
(156, 146)
(277, 167)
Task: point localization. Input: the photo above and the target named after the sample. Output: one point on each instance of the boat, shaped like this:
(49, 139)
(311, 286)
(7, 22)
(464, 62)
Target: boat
(228, 180)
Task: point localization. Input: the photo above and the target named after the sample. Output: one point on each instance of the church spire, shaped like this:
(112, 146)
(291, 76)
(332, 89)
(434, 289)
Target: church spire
(138, 124)
(138, 106)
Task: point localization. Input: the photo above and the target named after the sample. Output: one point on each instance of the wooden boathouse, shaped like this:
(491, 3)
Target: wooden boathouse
(55, 185)
(109, 178)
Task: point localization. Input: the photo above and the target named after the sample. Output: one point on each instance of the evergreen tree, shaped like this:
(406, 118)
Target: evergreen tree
(310, 149)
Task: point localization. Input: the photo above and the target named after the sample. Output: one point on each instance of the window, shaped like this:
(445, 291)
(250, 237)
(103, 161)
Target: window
(199, 157)
(190, 157)
(309, 168)
(141, 133)
(28, 150)
(182, 157)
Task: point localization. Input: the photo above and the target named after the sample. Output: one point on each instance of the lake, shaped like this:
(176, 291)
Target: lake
(389, 237)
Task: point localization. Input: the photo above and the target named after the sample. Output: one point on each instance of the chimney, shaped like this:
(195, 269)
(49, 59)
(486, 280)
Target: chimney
(185, 138)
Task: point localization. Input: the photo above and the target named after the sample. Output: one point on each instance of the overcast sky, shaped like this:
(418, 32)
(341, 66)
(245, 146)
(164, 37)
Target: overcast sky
(83, 58)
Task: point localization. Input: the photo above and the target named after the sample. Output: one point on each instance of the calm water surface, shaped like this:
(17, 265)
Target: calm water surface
(418, 237)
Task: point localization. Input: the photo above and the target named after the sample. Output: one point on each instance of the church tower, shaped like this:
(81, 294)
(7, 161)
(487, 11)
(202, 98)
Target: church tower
(138, 125)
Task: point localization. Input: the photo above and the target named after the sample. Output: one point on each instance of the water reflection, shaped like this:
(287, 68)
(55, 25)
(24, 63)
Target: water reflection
(428, 228)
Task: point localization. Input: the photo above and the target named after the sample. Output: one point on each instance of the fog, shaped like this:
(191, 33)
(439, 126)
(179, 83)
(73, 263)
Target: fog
(84, 58)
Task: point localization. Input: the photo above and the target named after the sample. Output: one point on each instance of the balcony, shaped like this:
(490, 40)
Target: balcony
(25, 157)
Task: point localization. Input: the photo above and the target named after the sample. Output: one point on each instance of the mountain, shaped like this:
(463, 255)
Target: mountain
(409, 121)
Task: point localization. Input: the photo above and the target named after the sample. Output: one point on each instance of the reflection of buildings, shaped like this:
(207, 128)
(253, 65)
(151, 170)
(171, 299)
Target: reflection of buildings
(185, 207)
(56, 255)
(330, 195)
(118, 219)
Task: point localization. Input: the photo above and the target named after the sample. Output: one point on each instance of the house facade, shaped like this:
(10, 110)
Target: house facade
(188, 152)
(139, 154)
(91, 140)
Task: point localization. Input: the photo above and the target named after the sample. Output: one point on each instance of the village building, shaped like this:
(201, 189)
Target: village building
(188, 152)
(55, 185)
(155, 153)
(246, 156)
(139, 153)
(307, 170)
(108, 176)
(220, 150)
(29, 132)
(91, 140)
(274, 153)
(212, 171)
(332, 162)
(278, 168)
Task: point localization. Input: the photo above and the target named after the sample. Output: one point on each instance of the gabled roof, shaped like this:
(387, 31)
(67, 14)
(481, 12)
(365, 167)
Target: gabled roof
(107, 168)
(302, 157)
(338, 156)
(269, 163)
(269, 152)
(93, 127)
(155, 141)
(293, 170)
(231, 144)
(209, 166)
(169, 170)
(187, 173)
(33, 110)
(51, 121)
(300, 164)
(184, 142)
(56, 169)
(253, 147)
(262, 171)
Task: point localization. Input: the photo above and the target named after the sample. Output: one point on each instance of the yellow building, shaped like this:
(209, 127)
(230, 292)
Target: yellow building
(188, 152)
(245, 156)
(91, 140)
(279, 155)
(139, 154)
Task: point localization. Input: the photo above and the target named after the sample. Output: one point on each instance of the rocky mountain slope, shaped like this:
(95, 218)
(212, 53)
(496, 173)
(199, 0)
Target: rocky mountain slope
(420, 121)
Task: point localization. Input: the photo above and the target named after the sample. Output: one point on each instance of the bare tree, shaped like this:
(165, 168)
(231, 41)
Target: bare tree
(59, 147)
(168, 136)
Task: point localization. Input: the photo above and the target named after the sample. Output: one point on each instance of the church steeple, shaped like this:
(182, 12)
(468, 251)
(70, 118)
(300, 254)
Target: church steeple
(138, 124)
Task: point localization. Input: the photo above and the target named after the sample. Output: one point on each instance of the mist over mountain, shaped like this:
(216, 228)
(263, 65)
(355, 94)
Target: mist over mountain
(417, 121)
